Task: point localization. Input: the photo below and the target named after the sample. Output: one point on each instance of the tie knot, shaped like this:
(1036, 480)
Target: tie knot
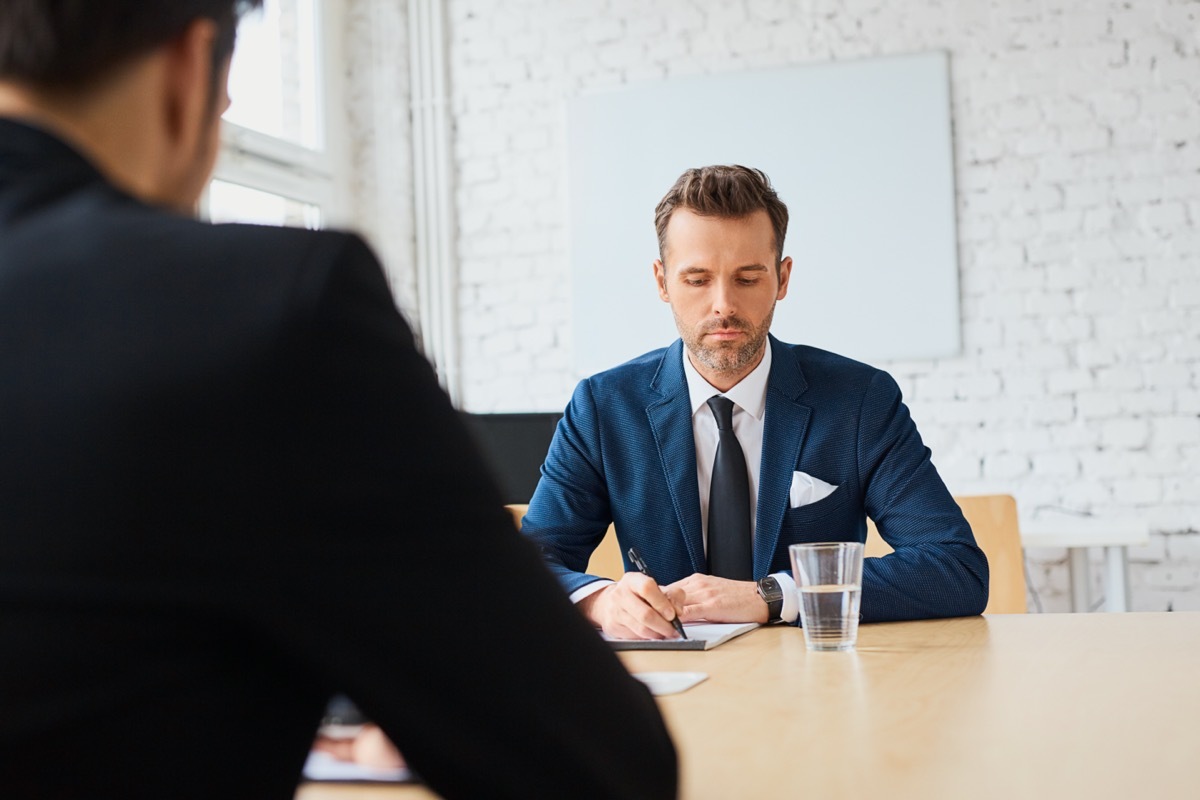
(722, 409)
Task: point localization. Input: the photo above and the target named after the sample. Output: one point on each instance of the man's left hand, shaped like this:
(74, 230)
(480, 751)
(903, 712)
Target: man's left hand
(713, 599)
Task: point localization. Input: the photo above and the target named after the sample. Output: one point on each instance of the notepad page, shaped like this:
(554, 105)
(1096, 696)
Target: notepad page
(701, 636)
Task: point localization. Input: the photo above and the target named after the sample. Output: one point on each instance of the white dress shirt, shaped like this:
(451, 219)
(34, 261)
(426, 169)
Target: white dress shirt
(749, 398)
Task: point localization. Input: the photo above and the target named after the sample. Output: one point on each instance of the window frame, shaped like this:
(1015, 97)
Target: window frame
(279, 166)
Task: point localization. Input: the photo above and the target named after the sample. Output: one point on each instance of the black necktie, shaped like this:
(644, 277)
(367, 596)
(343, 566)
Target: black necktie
(729, 553)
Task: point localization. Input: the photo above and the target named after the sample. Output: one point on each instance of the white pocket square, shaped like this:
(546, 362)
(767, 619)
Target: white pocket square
(807, 490)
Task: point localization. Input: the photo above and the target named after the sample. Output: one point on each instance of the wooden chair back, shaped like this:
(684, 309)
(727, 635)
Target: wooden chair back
(993, 519)
(605, 561)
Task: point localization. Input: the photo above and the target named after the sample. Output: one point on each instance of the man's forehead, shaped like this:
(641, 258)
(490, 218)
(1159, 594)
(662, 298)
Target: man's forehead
(685, 214)
(748, 240)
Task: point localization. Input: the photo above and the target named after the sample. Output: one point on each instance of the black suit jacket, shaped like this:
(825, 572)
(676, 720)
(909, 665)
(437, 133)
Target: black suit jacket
(229, 487)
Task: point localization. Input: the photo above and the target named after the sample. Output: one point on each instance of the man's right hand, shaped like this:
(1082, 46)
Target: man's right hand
(634, 607)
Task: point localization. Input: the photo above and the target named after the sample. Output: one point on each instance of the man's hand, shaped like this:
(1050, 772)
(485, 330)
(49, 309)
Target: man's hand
(719, 600)
(634, 608)
(370, 747)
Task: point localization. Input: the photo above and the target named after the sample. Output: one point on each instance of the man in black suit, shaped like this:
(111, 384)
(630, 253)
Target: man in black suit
(230, 485)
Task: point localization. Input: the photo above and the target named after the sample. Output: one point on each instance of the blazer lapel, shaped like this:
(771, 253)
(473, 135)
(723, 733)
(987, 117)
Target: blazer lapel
(784, 427)
(671, 420)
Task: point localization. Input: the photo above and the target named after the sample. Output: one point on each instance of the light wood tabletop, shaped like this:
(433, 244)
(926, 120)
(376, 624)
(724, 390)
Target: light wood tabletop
(1012, 706)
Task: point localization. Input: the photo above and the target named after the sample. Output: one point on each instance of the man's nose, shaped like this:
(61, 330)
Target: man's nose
(724, 299)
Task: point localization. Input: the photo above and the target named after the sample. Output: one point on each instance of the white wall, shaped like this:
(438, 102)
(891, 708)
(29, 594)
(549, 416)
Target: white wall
(1077, 128)
(376, 76)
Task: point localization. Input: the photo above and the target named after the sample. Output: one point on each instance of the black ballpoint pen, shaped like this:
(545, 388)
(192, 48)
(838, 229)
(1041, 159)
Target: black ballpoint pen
(636, 558)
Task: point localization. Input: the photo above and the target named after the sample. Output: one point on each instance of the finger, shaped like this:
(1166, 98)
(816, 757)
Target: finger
(693, 580)
(677, 596)
(647, 622)
(341, 749)
(628, 616)
(704, 608)
(372, 748)
(632, 629)
(620, 625)
(652, 595)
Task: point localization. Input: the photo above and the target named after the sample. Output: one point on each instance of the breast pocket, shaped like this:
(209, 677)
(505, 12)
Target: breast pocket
(828, 520)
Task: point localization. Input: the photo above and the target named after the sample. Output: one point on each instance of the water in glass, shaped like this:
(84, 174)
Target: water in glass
(830, 615)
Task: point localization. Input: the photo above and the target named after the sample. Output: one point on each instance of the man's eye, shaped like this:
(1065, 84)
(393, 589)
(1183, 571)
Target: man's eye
(747, 281)
(694, 281)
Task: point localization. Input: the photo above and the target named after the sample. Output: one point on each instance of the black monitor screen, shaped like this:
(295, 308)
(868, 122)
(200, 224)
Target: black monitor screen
(514, 445)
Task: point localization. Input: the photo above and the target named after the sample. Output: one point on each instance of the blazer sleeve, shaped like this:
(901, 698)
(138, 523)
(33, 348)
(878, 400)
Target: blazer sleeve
(937, 570)
(500, 691)
(570, 511)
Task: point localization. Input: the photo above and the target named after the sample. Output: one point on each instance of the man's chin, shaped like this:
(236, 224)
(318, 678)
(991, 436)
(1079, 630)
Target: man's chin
(723, 360)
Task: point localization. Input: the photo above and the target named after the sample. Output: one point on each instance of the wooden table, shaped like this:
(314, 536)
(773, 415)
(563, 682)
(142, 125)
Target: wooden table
(1018, 706)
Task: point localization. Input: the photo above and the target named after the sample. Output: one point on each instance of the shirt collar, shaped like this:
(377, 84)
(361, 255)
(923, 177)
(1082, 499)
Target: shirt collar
(750, 393)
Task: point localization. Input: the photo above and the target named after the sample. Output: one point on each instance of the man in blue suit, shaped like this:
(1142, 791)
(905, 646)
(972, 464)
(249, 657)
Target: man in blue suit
(711, 492)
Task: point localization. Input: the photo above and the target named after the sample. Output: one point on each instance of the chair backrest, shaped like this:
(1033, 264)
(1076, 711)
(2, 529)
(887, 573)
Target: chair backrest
(993, 519)
(605, 561)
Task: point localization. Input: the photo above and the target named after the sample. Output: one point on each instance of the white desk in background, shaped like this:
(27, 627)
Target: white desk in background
(1077, 534)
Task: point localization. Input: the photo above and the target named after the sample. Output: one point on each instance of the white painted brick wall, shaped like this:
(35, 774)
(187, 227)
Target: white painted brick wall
(1077, 136)
(376, 85)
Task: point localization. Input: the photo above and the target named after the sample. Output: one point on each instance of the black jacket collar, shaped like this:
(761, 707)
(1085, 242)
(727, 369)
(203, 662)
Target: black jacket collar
(26, 149)
(37, 167)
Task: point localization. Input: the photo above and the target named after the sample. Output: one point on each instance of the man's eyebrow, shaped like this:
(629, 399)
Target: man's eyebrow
(695, 270)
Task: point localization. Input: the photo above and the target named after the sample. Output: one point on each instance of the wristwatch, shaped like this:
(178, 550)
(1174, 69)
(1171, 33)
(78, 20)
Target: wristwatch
(772, 595)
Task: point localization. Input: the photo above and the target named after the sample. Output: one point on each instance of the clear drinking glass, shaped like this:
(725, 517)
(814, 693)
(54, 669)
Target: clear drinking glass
(829, 579)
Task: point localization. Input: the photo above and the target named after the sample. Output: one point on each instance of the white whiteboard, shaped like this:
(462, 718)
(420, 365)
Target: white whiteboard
(859, 151)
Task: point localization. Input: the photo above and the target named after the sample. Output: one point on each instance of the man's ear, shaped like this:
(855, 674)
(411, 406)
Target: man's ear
(785, 275)
(660, 278)
(189, 83)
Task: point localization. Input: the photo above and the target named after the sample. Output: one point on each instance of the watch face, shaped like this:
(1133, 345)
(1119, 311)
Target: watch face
(771, 593)
(769, 589)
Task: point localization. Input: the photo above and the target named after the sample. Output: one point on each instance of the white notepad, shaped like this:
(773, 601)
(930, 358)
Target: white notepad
(664, 683)
(324, 767)
(701, 636)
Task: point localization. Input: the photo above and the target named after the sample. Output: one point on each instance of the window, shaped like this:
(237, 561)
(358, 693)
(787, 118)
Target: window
(281, 160)
(230, 202)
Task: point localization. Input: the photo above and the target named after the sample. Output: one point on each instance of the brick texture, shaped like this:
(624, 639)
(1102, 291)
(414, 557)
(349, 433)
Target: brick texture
(375, 73)
(1077, 160)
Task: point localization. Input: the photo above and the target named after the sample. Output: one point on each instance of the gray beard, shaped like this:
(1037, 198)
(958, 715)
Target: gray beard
(724, 360)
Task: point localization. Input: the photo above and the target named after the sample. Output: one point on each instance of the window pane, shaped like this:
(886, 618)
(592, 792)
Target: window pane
(273, 81)
(229, 202)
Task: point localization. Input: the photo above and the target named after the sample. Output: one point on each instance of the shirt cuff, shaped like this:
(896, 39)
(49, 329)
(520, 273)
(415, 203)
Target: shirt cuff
(595, 586)
(791, 606)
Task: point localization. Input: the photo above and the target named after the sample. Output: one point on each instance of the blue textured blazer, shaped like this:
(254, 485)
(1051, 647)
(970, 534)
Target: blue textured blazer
(624, 453)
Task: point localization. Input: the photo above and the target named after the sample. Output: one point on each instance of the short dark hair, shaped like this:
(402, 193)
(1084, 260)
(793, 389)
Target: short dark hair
(730, 191)
(66, 45)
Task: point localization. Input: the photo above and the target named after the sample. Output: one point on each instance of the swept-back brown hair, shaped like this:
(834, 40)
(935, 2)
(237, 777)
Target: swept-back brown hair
(731, 191)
